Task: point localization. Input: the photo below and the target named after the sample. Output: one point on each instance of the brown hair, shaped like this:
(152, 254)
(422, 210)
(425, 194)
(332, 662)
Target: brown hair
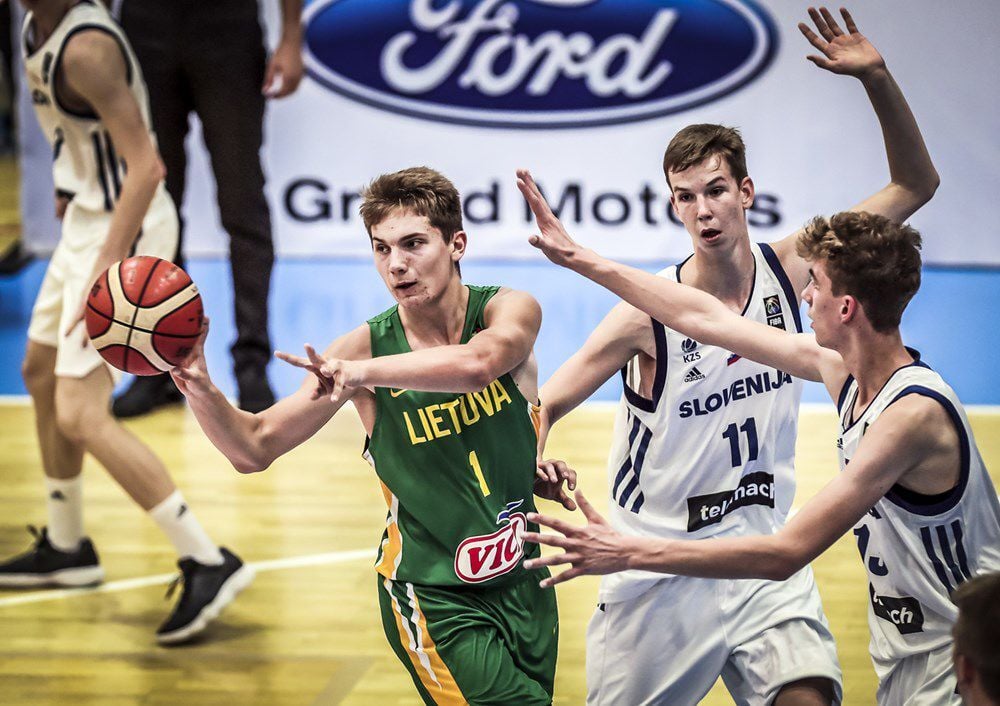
(977, 628)
(696, 143)
(869, 257)
(418, 189)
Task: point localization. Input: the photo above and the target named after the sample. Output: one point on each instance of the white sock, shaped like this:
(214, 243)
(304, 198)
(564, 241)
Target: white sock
(65, 507)
(182, 528)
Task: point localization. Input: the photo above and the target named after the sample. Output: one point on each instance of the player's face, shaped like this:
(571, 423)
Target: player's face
(711, 204)
(824, 307)
(414, 261)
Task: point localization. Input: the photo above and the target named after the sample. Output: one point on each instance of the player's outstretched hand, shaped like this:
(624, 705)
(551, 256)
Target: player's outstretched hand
(550, 477)
(332, 375)
(552, 238)
(191, 376)
(847, 53)
(595, 548)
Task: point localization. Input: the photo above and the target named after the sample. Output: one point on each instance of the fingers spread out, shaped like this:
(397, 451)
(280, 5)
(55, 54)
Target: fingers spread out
(588, 510)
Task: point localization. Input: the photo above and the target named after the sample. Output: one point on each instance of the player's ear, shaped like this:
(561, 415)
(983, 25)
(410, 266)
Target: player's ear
(747, 192)
(849, 307)
(458, 242)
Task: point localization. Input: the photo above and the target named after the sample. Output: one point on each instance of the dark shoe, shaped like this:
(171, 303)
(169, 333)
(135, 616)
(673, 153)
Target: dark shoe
(44, 565)
(254, 389)
(145, 394)
(207, 590)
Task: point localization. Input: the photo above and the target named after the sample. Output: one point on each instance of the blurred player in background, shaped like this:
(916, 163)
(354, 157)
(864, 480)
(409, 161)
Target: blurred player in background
(676, 458)
(445, 383)
(91, 103)
(208, 57)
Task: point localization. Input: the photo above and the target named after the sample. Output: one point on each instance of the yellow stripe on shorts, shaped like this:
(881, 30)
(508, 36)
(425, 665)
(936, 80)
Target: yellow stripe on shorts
(433, 672)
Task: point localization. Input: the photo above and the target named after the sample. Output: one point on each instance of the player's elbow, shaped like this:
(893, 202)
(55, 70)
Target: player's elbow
(247, 465)
(478, 371)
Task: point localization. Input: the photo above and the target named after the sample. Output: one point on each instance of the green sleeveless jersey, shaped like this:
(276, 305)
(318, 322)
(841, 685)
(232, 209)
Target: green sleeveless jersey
(457, 471)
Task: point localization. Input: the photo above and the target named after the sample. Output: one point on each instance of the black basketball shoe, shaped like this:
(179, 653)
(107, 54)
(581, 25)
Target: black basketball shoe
(207, 590)
(44, 565)
(145, 394)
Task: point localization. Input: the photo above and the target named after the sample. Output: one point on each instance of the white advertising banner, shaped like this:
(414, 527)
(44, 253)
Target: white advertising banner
(587, 93)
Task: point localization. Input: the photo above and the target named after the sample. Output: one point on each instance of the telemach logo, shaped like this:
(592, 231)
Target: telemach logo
(905, 613)
(754, 489)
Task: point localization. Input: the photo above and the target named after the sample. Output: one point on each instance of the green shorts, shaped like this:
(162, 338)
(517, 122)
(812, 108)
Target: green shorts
(474, 646)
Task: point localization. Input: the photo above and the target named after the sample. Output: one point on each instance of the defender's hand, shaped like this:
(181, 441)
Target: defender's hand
(851, 53)
(549, 479)
(595, 548)
(552, 238)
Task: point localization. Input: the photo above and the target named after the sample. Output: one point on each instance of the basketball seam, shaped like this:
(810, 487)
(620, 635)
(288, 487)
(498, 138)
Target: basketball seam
(153, 334)
(135, 314)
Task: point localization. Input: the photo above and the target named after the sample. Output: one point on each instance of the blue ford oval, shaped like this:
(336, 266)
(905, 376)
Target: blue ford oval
(537, 63)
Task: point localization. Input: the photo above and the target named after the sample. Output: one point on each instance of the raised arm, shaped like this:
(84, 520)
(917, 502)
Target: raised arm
(686, 309)
(912, 177)
(252, 442)
(900, 442)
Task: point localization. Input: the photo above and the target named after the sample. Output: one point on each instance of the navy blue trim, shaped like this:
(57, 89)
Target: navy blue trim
(953, 496)
(113, 165)
(659, 378)
(949, 560)
(640, 457)
(925, 535)
(843, 394)
(915, 354)
(963, 561)
(627, 463)
(102, 177)
(775, 264)
(89, 114)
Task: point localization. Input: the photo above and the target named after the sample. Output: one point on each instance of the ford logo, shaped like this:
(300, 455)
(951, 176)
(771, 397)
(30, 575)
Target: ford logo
(537, 63)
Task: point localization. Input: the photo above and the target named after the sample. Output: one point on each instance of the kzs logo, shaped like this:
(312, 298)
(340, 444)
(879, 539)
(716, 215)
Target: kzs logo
(690, 354)
(537, 63)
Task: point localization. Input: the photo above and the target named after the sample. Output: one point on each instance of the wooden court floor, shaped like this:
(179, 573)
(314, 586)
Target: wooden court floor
(307, 632)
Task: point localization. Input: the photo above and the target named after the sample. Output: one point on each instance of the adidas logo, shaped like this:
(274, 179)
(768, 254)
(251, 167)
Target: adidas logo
(693, 375)
(182, 510)
(57, 495)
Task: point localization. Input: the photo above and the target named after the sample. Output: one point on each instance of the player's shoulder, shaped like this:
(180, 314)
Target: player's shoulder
(93, 55)
(915, 422)
(508, 301)
(356, 344)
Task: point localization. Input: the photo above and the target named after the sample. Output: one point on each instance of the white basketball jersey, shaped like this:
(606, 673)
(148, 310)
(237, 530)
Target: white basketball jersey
(711, 452)
(86, 167)
(917, 549)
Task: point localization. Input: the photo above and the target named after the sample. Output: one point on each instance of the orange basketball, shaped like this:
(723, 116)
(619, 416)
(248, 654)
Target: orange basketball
(144, 314)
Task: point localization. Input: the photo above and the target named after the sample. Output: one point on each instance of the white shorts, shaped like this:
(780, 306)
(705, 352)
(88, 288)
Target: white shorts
(926, 679)
(67, 279)
(670, 644)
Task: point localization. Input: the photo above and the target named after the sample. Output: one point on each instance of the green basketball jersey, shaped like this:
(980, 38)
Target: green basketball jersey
(457, 471)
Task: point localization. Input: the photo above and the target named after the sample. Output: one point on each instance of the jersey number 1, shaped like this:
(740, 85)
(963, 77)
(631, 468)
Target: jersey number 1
(478, 470)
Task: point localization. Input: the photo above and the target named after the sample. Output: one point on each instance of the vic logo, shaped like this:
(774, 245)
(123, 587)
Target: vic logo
(537, 63)
(485, 557)
(690, 354)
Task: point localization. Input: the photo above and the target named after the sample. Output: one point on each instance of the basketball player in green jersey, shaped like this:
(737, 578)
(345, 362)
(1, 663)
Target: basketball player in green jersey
(444, 383)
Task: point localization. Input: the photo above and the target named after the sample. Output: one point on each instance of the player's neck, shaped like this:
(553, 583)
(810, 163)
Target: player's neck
(872, 358)
(438, 322)
(727, 274)
(47, 16)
